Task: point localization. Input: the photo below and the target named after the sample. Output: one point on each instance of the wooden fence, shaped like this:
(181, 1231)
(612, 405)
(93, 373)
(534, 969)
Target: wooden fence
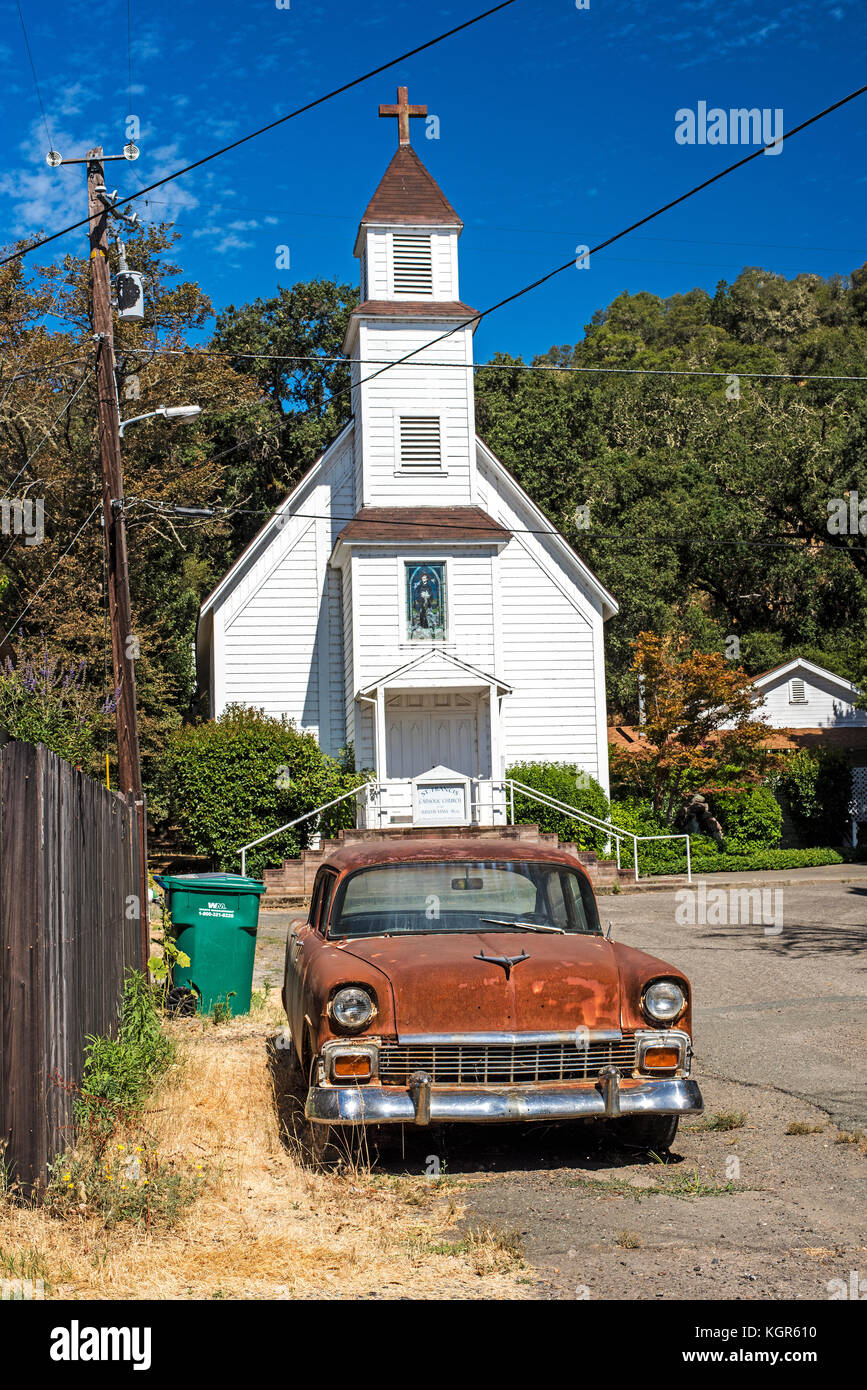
(71, 879)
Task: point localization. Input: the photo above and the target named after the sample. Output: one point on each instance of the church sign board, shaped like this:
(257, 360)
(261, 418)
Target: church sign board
(441, 797)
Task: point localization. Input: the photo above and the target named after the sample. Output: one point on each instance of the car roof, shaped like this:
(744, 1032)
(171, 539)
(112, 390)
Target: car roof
(405, 849)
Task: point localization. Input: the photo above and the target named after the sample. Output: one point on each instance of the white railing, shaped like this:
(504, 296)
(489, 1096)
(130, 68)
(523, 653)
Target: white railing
(308, 815)
(613, 832)
(385, 799)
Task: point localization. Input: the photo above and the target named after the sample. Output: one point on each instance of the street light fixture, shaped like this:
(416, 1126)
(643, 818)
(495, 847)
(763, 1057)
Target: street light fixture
(168, 412)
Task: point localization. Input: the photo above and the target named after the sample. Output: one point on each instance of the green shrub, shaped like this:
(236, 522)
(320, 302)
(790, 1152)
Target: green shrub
(232, 779)
(120, 1072)
(564, 782)
(753, 816)
(817, 787)
(749, 859)
(44, 701)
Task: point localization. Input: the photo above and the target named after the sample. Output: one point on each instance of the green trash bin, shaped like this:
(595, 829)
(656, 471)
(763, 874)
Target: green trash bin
(215, 918)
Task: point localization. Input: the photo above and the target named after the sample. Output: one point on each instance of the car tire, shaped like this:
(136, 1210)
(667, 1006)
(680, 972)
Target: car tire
(655, 1133)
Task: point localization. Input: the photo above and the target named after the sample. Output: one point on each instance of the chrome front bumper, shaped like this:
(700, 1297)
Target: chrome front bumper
(423, 1103)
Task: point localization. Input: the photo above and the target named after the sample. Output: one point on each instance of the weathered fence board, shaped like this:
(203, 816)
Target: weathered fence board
(70, 861)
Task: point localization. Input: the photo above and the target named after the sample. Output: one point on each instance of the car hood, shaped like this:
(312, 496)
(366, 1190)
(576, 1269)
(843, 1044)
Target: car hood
(440, 985)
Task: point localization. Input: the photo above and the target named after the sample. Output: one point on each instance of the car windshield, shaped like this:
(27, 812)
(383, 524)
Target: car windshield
(456, 896)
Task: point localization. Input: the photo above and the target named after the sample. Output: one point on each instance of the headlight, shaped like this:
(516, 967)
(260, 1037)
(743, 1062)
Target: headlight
(352, 1008)
(664, 1001)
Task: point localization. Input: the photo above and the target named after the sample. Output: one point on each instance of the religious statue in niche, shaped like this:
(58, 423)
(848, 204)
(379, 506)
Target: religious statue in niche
(426, 602)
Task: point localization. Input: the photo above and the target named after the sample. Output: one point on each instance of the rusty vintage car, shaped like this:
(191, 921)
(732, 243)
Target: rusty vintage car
(458, 980)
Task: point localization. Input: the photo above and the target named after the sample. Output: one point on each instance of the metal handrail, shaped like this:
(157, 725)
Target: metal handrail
(615, 832)
(509, 786)
(308, 815)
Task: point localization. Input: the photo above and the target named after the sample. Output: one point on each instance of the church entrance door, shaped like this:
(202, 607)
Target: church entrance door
(440, 729)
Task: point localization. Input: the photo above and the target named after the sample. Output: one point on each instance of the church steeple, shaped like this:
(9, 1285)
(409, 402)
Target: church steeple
(414, 424)
(407, 195)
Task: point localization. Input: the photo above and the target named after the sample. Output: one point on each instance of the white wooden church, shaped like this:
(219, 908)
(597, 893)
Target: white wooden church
(408, 597)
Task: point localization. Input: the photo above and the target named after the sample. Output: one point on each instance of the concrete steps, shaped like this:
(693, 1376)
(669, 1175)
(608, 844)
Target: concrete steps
(291, 884)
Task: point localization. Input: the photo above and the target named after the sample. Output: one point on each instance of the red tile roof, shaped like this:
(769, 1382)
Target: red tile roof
(853, 738)
(423, 524)
(408, 196)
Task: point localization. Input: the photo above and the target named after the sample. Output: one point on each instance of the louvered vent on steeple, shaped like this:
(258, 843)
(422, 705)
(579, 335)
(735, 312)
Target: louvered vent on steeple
(412, 263)
(420, 441)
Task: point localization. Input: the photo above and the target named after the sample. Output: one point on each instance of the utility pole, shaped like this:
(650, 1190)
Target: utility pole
(120, 611)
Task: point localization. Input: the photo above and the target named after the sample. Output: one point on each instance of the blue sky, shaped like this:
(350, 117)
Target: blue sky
(557, 128)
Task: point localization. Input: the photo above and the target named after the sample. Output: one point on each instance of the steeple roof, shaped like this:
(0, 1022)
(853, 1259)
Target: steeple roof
(408, 196)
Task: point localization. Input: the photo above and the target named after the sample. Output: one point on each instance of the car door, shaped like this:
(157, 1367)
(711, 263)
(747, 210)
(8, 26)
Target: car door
(291, 974)
(304, 939)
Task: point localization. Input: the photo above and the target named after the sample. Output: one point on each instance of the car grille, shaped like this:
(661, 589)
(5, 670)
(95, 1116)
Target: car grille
(503, 1064)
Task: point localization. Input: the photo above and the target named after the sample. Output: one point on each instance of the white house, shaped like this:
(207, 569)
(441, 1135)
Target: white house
(801, 695)
(408, 597)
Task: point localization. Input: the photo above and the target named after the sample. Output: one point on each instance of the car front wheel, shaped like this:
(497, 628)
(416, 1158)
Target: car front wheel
(652, 1132)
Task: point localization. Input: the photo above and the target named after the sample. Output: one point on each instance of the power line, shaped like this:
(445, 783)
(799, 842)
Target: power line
(35, 78)
(50, 573)
(29, 460)
(299, 111)
(155, 353)
(31, 330)
(46, 369)
(609, 241)
(591, 533)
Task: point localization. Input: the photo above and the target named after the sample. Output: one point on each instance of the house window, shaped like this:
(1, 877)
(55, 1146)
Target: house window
(797, 692)
(425, 601)
(420, 441)
(412, 263)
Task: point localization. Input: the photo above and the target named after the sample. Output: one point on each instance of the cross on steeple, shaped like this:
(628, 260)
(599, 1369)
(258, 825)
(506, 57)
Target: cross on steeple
(403, 111)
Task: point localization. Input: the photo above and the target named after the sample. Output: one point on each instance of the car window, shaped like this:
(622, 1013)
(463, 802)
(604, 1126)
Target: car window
(451, 895)
(316, 900)
(559, 904)
(325, 897)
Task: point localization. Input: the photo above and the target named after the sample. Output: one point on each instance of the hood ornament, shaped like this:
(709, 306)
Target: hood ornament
(505, 961)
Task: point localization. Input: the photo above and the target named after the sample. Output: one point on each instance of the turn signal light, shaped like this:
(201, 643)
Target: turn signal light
(347, 1065)
(662, 1058)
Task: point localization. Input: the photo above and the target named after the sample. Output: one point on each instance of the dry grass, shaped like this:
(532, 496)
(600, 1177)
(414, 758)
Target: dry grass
(852, 1136)
(803, 1127)
(265, 1225)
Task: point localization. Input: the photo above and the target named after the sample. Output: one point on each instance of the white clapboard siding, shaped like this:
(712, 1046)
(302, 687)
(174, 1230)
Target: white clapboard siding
(349, 680)
(548, 660)
(376, 251)
(411, 390)
(269, 642)
(826, 706)
(383, 254)
(378, 608)
(337, 692)
(445, 265)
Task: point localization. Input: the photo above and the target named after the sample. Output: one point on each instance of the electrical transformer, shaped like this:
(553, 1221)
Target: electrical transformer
(130, 296)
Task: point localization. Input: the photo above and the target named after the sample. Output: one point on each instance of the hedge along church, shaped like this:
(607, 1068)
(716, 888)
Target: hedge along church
(408, 597)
